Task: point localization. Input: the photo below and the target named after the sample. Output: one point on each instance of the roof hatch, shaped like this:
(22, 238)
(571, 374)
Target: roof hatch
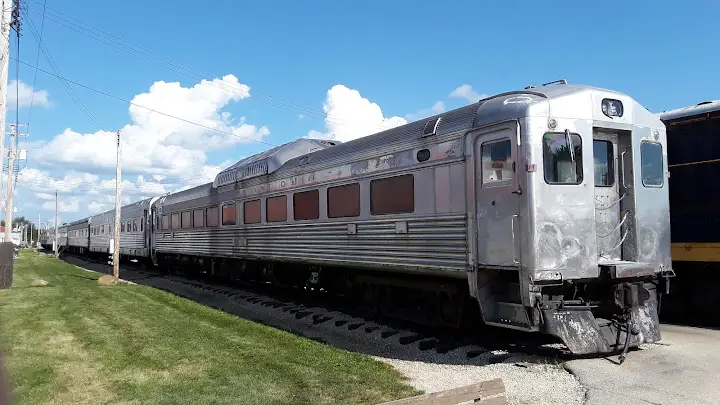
(269, 161)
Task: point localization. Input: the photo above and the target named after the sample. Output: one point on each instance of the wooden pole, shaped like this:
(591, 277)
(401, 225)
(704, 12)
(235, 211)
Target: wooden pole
(116, 228)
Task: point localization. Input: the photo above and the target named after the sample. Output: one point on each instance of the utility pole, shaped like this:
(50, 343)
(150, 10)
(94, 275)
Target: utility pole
(11, 173)
(6, 21)
(39, 225)
(15, 24)
(55, 245)
(116, 228)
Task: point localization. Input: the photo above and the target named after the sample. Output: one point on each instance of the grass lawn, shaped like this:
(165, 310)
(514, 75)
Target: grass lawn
(74, 342)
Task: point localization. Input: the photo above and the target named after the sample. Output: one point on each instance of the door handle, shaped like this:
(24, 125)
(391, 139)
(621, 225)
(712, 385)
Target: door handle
(512, 230)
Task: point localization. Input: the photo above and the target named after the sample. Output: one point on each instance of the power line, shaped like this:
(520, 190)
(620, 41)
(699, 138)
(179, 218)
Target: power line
(46, 53)
(37, 62)
(144, 107)
(116, 42)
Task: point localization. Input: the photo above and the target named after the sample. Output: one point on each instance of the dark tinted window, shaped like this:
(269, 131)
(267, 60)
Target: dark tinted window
(175, 221)
(198, 218)
(343, 201)
(562, 158)
(604, 163)
(392, 195)
(651, 159)
(228, 214)
(306, 205)
(165, 222)
(212, 216)
(251, 212)
(185, 220)
(276, 208)
(135, 228)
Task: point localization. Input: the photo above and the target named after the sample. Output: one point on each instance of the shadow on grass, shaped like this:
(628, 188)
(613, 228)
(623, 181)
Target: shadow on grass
(381, 338)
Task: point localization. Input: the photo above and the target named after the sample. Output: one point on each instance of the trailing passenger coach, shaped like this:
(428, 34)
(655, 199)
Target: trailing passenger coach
(544, 209)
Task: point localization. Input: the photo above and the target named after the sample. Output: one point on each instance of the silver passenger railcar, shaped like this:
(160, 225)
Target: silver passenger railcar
(548, 207)
(78, 236)
(134, 235)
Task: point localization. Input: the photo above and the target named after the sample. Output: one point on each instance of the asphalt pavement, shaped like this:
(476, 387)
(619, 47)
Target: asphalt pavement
(683, 369)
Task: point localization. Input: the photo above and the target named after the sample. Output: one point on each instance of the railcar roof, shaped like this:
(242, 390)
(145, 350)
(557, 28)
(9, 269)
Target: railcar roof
(490, 109)
(693, 110)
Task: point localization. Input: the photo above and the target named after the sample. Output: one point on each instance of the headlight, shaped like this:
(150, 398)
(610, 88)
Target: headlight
(612, 108)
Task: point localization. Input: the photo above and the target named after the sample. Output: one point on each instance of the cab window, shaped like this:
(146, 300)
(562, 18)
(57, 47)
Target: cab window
(562, 158)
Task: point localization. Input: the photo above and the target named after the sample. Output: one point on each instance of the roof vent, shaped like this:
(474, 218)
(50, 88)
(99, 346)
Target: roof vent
(529, 87)
(431, 126)
(705, 102)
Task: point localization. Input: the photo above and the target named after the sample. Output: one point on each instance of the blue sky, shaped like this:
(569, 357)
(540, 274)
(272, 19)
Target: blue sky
(405, 56)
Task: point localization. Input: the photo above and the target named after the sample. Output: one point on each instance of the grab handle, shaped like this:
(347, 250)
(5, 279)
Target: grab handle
(622, 167)
(512, 230)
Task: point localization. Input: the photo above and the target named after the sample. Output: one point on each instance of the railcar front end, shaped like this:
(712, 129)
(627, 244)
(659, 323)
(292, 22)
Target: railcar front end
(572, 218)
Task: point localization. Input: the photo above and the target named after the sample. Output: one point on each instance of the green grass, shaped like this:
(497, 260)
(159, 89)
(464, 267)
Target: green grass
(74, 342)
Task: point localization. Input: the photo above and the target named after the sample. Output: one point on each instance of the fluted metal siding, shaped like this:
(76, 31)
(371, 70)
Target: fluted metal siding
(131, 243)
(432, 242)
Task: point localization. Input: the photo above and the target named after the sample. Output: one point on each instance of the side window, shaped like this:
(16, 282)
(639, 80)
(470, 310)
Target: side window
(306, 205)
(135, 225)
(604, 163)
(142, 221)
(102, 229)
(276, 208)
(497, 163)
(185, 220)
(251, 212)
(174, 221)
(393, 195)
(165, 223)
(198, 218)
(562, 158)
(122, 227)
(651, 160)
(228, 214)
(212, 216)
(343, 201)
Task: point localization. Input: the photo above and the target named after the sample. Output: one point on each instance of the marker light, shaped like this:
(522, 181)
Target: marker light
(612, 108)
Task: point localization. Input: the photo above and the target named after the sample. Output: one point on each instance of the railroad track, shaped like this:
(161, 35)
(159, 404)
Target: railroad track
(327, 319)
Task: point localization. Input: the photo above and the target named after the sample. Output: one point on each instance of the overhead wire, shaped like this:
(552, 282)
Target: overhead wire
(116, 42)
(144, 107)
(37, 62)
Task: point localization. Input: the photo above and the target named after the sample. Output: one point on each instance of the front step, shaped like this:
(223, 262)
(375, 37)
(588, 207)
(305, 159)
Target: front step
(511, 315)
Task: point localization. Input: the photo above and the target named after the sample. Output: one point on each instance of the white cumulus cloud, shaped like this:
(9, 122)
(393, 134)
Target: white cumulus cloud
(349, 116)
(466, 91)
(22, 94)
(70, 205)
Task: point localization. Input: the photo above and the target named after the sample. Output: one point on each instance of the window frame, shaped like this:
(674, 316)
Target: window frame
(259, 209)
(497, 183)
(232, 222)
(189, 220)
(202, 216)
(581, 178)
(267, 211)
(208, 216)
(314, 191)
(348, 185)
(662, 164)
(375, 181)
(135, 225)
(611, 163)
(177, 215)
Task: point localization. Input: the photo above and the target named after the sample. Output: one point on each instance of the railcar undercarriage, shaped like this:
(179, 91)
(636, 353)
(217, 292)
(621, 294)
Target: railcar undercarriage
(589, 317)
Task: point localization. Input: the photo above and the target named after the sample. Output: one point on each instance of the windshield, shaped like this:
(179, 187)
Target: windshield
(562, 158)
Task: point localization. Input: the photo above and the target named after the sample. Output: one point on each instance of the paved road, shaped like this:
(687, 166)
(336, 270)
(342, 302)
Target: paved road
(685, 369)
